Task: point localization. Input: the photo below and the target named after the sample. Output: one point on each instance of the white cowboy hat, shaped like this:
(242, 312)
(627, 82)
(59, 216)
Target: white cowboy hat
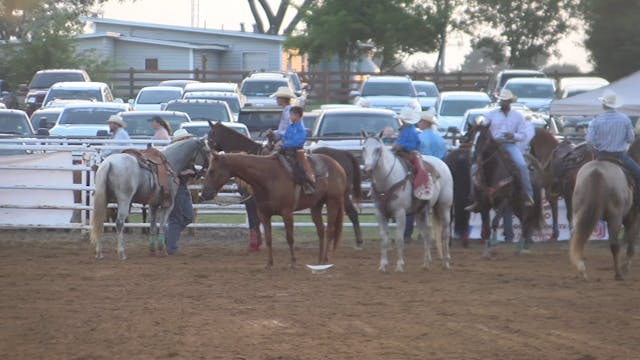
(610, 99)
(507, 95)
(409, 115)
(429, 116)
(283, 91)
(117, 119)
(180, 134)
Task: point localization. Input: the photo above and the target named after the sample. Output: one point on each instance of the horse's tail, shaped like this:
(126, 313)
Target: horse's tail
(99, 214)
(356, 190)
(588, 209)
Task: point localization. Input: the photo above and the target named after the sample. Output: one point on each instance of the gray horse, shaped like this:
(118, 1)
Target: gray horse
(122, 180)
(393, 195)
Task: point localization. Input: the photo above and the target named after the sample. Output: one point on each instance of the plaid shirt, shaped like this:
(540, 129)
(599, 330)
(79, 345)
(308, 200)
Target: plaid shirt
(611, 131)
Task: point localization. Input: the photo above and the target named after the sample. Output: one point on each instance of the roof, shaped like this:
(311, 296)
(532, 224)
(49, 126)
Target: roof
(520, 71)
(79, 71)
(242, 34)
(528, 80)
(388, 78)
(357, 109)
(162, 88)
(153, 113)
(102, 105)
(139, 40)
(464, 94)
(79, 85)
(200, 123)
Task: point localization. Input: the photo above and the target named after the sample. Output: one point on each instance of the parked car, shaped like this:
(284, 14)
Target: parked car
(451, 106)
(570, 86)
(534, 93)
(499, 79)
(258, 90)
(155, 97)
(15, 123)
(45, 118)
(212, 86)
(201, 128)
(234, 100)
(7, 97)
(44, 79)
(93, 91)
(138, 121)
(182, 83)
(295, 83)
(198, 109)
(260, 119)
(427, 93)
(387, 92)
(85, 119)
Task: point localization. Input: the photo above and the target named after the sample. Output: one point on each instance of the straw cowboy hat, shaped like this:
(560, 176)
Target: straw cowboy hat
(284, 92)
(409, 115)
(117, 119)
(507, 95)
(428, 116)
(610, 99)
(180, 134)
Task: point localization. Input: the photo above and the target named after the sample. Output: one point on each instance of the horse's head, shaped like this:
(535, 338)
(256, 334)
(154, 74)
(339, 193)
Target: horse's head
(216, 177)
(481, 139)
(223, 138)
(371, 150)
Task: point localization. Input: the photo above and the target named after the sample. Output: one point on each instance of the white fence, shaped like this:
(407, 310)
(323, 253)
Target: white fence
(47, 183)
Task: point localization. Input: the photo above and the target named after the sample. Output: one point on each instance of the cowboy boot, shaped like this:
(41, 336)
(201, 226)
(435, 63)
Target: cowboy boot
(309, 186)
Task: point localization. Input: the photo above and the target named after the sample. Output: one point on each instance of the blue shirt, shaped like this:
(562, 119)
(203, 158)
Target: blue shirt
(432, 143)
(611, 131)
(408, 138)
(295, 136)
(285, 121)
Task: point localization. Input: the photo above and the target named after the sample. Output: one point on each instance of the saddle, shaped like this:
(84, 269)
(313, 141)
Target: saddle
(566, 157)
(154, 160)
(314, 168)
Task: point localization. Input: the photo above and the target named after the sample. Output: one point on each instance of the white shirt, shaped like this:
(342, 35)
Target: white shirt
(530, 132)
(513, 122)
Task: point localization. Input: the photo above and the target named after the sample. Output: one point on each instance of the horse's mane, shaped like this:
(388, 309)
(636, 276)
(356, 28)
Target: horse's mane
(223, 138)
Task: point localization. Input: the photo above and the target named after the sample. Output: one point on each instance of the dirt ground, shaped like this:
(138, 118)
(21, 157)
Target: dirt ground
(215, 301)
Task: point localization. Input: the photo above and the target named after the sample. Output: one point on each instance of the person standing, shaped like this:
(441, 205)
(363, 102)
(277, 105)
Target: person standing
(116, 128)
(182, 213)
(162, 130)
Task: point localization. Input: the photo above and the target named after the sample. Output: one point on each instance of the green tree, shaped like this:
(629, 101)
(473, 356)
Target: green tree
(528, 30)
(612, 36)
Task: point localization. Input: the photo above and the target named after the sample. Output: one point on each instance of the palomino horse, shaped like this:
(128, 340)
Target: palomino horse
(221, 138)
(276, 194)
(501, 185)
(602, 192)
(393, 195)
(121, 179)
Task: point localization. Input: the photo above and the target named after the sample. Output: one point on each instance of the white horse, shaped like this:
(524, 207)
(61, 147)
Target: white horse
(393, 195)
(122, 180)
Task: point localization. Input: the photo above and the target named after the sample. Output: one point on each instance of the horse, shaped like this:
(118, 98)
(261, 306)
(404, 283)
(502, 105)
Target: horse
(276, 194)
(392, 192)
(222, 138)
(501, 188)
(603, 192)
(121, 179)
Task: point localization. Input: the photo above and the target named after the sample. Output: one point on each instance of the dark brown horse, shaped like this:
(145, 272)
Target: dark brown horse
(222, 138)
(274, 191)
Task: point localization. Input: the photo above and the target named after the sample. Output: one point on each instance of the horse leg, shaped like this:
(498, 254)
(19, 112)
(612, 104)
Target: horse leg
(614, 245)
(630, 235)
(422, 222)
(123, 212)
(383, 228)
(401, 219)
(440, 224)
(266, 224)
(163, 216)
(153, 230)
(553, 202)
(352, 213)
(287, 218)
(316, 216)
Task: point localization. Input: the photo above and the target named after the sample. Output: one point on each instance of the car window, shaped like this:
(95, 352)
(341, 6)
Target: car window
(68, 94)
(201, 111)
(372, 88)
(157, 96)
(93, 116)
(353, 124)
(539, 91)
(45, 80)
(138, 125)
(506, 76)
(14, 124)
(458, 107)
(262, 87)
(260, 121)
(233, 102)
(429, 90)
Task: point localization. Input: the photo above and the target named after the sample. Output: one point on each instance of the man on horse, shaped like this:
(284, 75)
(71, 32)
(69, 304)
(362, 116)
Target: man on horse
(509, 127)
(407, 146)
(283, 98)
(611, 133)
(292, 148)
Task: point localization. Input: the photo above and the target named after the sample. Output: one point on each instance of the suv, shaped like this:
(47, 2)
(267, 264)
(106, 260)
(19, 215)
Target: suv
(258, 88)
(199, 109)
(85, 119)
(44, 79)
(235, 101)
(94, 91)
(387, 92)
(497, 82)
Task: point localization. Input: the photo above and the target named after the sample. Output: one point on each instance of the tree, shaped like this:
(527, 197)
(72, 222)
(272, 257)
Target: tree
(612, 36)
(528, 30)
(275, 20)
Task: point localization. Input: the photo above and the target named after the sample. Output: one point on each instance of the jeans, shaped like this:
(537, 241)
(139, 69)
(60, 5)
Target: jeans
(628, 164)
(180, 217)
(518, 159)
(507, 223)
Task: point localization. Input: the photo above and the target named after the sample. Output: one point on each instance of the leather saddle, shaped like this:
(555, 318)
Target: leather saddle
(312, 164)
(154, 160)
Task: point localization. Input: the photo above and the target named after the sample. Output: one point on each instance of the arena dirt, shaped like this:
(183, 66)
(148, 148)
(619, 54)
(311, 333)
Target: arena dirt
(215, 301)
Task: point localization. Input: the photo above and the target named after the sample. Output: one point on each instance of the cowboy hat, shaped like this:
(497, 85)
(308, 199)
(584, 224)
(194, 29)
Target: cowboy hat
(117, 119)
(610, 99)
(507, 95)
(429, 117)
(284, 92)
(180, 134)
(409, 115)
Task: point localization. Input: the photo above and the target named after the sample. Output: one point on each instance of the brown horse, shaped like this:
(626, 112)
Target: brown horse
(276, 194)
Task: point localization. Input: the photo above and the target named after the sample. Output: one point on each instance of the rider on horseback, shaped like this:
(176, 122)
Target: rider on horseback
(292, 143)
(407, 147)
(509, 128)
(611, 132)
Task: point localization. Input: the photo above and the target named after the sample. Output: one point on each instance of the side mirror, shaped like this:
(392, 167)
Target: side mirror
(354, 93)
(102, 133)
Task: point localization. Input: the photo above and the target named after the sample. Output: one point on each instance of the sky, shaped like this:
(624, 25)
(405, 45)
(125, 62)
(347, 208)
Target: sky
(229, 14)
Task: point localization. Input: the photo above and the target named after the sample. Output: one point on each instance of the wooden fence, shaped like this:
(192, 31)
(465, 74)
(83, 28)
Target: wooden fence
(325, 87)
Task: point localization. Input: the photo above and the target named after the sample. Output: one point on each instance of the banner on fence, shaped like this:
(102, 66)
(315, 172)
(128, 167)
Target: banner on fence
(36, 197)
(599, 233)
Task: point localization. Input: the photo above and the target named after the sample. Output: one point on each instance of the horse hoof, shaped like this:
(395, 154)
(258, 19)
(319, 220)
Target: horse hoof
(382, 269)
(99, 256)
(426, 266)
